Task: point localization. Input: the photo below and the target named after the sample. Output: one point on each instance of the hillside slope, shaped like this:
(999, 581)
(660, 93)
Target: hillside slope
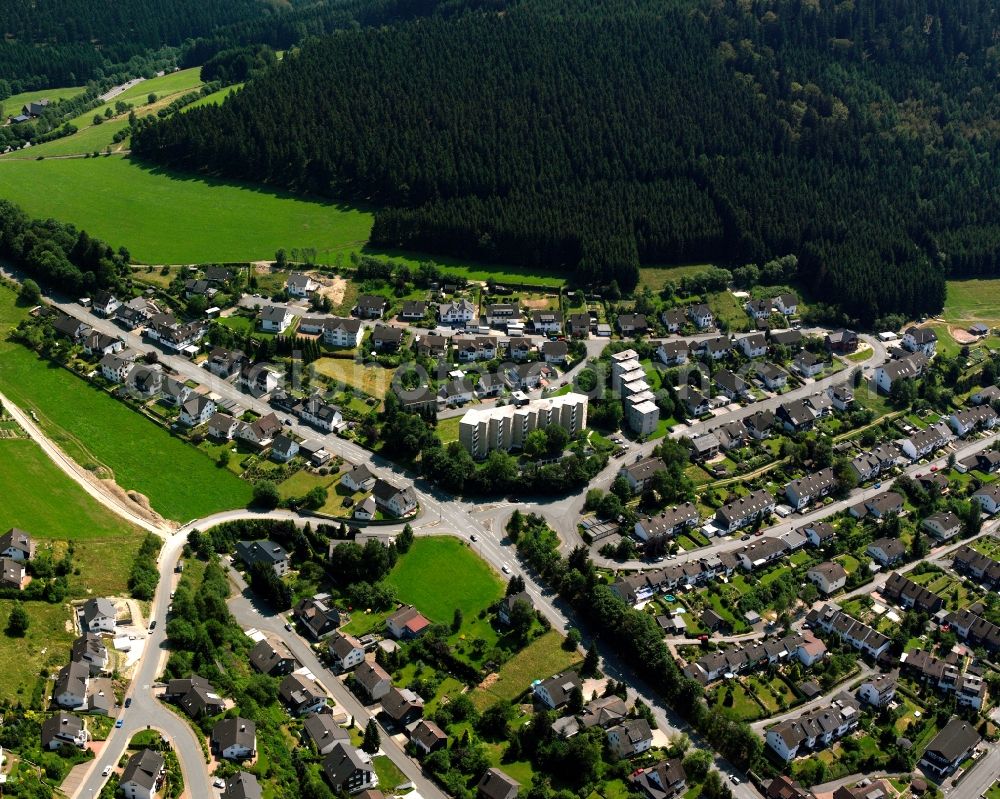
(598, 137)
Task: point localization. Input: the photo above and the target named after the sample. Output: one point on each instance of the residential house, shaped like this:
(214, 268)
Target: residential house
(555, 352)
(988, 498)
(345, 652)
(505, 609)
(819, 533)
(71, 327)
(302, 695)
(494, 784)
(828, 577)
(12, 574)
(702, 316)
(694, 401)
(578, 324)
(668, 523)
(115, 368)
(371, 306)
(64, 729)
(759, 424)
(759, 309)
(234, 739)
(969, 420)
(392, 499)
(407, 623)
(555, 691)
(365, 510)
(942, 525)
(771, 376)
(754, 345)
(401, 707)
(146, 380)
(815, 729)
(341, 332)
(373, 681)
(796, 416)
(665, 780)
(731, 385)
(135, 312)
(430, 345)
(348, 770)
(907, 368)
(358, 478)
(878, 506)
(275, 318)
(761, 552)
(197, 410)
(284, 448)
(263, 551)
(520, 349)
(413, 310)
(457, 312)
(673, 319)
(842, 397)
(104, 303)
(716, 349)
(842, 341)
(324, 732)
(175, 392)
(195, 695)
(547, 322)
(920, 339)
(273, 658)
(787, 304)
(199, 288)
(968, 561)
(386, 338)
(70, 689)
(99, 615)
(908, 594)
(143, 775)
(950, 748)
(805, 490)
(225, 363)
(887, 551)
(242, 785)
(786, 338)
(673, 353)
(632, 324)
(501, 314)
(872, 464)
(975, 630)
(507, 427)
(807, 364)
(427, 736)
(924, 442)
(95, 343)
(732, 435)
(480, 348)
(300, 285)
(860, 636)
(630, 738)
(705, 447)
(317, 615)
(879, 690)
(742, 511)
(222, 426)
(17, 545)
(89, 649)
(261, 431)
(985, 396)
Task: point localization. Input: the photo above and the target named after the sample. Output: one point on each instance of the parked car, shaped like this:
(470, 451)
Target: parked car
(106, 772)
(119, 723)
(128, 701)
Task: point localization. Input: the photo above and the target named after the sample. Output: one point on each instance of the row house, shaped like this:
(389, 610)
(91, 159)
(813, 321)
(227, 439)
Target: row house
(908, 594)
(744, 511)
(942, 674)
(975, 630)
(872, 464)
(814, 730)
(807, 489)
(969, 420)
(968, 561)
(925, 442)
(804, 647)
(638, 587)
(860, 636)
(669, 523)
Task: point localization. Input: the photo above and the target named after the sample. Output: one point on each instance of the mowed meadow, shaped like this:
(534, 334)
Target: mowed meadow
(103, 434)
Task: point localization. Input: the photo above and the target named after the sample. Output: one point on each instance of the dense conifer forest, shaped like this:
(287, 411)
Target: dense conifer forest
(599, 136)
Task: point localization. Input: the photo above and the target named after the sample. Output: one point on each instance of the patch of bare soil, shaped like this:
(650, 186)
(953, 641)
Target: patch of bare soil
(136, 502)
(490, 681)
(331, 287)
(962, 336)
(539, 304)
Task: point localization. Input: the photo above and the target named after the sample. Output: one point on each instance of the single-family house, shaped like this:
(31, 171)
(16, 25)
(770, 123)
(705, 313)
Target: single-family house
(754, 345)
(673, 319)
(731, 385)
(631, 737)
(759, 309)
(787, 304)
(99, 615)
(324, 732)
(70, 689)
(273, 658)
(632, 324)
(143, 775)
(427, 736)
(242, 785)
(555, 352)
(225, 363)
(407, 623)
(920, 339)
(771, 376)
(90, 649)
(197, 410)
(392, 499)
(555, 691)
(942, 525)
(457, 312)
(494, 784)
(702, 316)
(372, 680)
(358, 478)
(950, 748)
(887, 551)
(17, 545)
(842, 341)
(300, 285)
(64, 729)
(302, 695)
(401, 707)
(828, 577)
(222, 426)
(386, 338)
(348, 770)
(430, 345)
(275, 318)
(317, 615)
(879, 691)
(264, 551)
(345, 652)
(371, 306)
(505, 609)
(547, 322)
(808, 364)
(115, 368)
(104, 303)
(195, 695)
(234, 739)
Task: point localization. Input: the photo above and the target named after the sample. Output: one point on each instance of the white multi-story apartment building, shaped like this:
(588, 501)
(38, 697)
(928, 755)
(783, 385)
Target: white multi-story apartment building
(507, 427)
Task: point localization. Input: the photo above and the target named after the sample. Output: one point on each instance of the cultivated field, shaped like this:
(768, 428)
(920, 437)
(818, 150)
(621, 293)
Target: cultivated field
(461, 579)
(163, 217)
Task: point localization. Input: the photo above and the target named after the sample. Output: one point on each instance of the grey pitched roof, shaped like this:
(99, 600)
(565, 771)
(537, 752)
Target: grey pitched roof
(496, 785)
(242, 786)
(143, 768)
(321, 729)
(98, 607)
(342, 762)
(61, 724)
(234, 732)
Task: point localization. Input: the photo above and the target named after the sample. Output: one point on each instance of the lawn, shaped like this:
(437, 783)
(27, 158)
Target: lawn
(441, 574)
(389, 775)
(97, 431)
(12, 105)
(41, 499)
(542, 658)
(501, 273)
(730, 310)
(215, 98)
(971, 301)
(656, 277)
(742, 706)
(447, 429)
(371, 380)
(46, 646)
(164, 217)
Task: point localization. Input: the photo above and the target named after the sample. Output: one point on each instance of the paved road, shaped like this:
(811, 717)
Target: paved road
(147, 711)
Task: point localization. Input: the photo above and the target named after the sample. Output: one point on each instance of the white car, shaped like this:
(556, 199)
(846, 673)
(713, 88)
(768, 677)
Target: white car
(505, 569)
(219, 782)
(106, 772)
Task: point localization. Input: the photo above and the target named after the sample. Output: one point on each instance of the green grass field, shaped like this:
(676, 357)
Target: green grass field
(215, 98)
(12, 105)
(440, 574)
(656, 277)
(46, 646)
(371, 380)
(971, 301)
(163, 217)
(542, 658)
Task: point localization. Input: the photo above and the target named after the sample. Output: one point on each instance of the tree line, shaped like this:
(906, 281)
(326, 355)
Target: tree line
(596, 139)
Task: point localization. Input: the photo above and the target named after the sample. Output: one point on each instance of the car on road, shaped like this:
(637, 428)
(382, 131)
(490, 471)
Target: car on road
(759, 533)
(119, 724)
(744, 538)
(735, 779)
(106, 772)
(288, 626)
(473, 537)
(128, 701)
(219, 782)
(878, 484)
(152, 625)
(505, 569)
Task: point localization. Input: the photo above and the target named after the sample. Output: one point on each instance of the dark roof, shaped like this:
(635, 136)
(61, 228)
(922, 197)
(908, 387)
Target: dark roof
(342, 762)
(143, 768)
(954, 740)
(496, 785)
(322, 729)
(235, 731)
(244, 785)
